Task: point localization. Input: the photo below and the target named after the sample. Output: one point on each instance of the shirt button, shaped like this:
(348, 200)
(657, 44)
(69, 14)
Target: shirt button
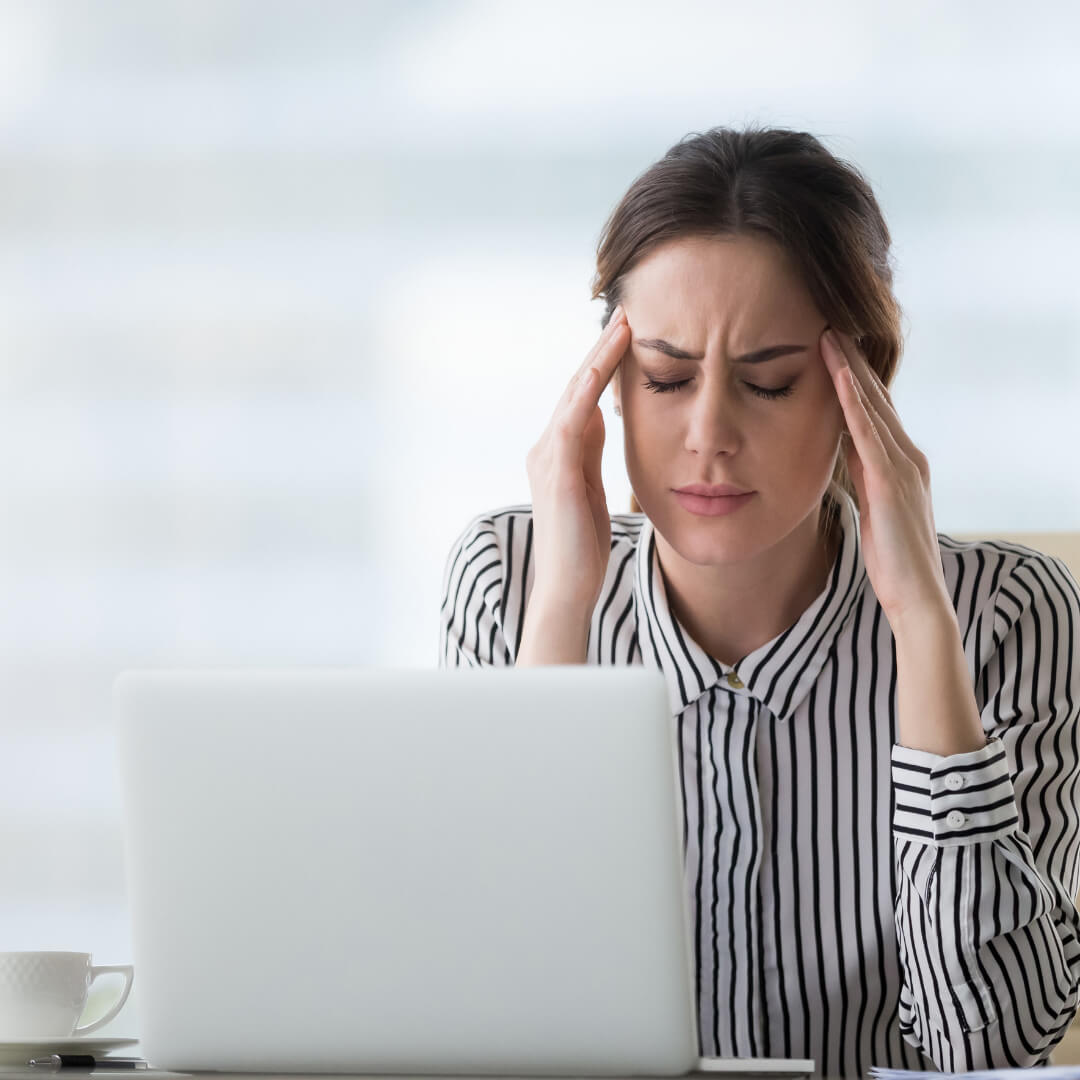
(734, 681)
(955, 819)
(955, 781)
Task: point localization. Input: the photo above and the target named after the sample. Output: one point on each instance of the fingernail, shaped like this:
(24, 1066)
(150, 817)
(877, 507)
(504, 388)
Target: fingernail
(616, 313)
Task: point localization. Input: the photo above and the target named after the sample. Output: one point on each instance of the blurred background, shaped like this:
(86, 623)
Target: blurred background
(288, 290)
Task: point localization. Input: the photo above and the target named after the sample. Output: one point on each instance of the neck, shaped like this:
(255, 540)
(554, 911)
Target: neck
(733, 609)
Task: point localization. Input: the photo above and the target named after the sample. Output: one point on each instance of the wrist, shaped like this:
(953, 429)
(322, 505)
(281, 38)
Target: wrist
(555, 631)
(933, 618)
(935, 693)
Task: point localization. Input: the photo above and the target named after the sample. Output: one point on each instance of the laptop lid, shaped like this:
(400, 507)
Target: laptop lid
(406, 871)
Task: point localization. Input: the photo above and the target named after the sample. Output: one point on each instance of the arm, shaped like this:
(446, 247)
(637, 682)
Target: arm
(553, 634)
(988, 836)
(470, 624)
(471, 631)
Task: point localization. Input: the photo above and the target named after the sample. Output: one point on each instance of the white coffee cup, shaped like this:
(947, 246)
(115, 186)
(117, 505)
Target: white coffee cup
(43, 994)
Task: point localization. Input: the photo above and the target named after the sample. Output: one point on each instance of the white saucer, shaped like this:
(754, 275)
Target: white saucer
(21, 1051)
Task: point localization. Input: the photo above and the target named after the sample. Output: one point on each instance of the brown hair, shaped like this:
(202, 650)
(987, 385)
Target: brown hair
(784, 185)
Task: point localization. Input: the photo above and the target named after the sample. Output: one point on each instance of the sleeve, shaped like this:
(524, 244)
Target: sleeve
(987, 846)
(470, 628)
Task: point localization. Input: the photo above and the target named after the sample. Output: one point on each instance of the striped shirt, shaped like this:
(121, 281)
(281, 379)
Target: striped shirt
(850, 899)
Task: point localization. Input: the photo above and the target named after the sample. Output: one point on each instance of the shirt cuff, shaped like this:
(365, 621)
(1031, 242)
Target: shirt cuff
(960, 799)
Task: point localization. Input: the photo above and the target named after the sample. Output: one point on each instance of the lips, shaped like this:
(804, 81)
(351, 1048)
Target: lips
(712, 491)
(712, 506)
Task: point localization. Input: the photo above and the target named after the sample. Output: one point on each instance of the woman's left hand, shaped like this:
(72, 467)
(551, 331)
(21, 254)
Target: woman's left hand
(892, 480)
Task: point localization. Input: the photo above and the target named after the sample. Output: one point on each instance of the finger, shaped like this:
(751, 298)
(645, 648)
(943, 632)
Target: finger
(569, 425)
(855, 470)
(573, 417)
(876, 391)
(594, 449)
(883, 411)
(880, 422)
(902, 450)
(617, 320)
(864, 433)
(603, 364)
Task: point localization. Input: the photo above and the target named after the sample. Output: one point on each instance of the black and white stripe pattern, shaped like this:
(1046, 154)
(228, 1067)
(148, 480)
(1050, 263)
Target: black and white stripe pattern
(852, 900)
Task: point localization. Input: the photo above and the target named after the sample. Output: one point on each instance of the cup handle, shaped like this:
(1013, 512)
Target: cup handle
(129, 975)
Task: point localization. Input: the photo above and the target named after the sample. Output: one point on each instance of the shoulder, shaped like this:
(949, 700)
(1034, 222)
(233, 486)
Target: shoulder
(493, 525)
(1005, 579)
(486, 545)
(626, 530)
(489, 574)
(508, 530)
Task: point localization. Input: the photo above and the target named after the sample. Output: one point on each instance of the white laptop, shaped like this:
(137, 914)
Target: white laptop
(418, 871)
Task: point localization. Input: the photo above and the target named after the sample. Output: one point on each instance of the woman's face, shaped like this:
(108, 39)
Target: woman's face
(720, 299)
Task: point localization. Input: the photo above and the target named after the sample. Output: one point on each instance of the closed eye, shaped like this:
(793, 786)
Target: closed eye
(759, 391)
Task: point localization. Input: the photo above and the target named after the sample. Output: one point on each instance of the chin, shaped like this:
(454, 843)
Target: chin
(706, 541)
(701, 551)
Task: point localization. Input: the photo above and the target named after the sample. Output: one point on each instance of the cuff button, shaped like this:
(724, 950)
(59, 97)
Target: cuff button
(954, 819)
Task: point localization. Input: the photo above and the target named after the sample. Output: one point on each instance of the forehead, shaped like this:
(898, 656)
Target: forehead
(740, 280)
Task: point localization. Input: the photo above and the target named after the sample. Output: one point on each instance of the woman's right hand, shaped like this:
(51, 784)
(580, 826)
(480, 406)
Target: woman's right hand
(571, 524)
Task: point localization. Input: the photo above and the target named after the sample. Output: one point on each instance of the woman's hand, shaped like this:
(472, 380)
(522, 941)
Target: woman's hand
(571, 524)
(892, 480)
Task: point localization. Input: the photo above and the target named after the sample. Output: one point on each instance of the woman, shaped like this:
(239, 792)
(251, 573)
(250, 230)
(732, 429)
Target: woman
(876, 725)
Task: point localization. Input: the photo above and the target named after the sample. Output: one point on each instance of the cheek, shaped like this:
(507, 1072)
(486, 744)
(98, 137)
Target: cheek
(645, 441)
(813, 429)
(826, 406)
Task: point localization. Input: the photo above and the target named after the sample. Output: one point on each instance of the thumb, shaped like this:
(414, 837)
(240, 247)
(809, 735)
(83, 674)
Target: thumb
(593, 447)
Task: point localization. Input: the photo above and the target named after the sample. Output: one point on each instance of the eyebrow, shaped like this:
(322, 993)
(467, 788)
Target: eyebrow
(759, 357)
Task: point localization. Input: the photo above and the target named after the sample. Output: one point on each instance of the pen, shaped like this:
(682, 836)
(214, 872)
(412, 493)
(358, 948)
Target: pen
(85, 1061)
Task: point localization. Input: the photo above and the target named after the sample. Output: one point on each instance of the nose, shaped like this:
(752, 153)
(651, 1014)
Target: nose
(712, 424)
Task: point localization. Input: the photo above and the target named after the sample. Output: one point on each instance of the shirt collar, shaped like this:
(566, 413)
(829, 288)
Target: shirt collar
(780, 673)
